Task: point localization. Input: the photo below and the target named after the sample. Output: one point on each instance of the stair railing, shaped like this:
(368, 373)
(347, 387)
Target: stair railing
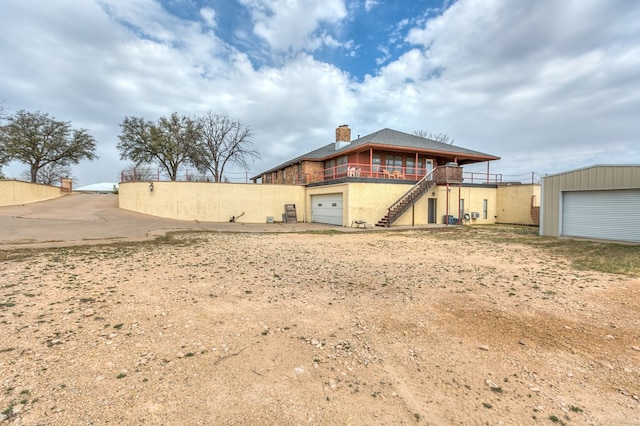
(420, 185)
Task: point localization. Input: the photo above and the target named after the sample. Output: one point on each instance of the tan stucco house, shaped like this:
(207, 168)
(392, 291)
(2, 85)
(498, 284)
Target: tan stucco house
(386, 178)
(390, 177)
(385, 154)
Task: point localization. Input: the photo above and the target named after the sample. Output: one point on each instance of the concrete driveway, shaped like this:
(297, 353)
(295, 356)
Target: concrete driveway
(92, 218)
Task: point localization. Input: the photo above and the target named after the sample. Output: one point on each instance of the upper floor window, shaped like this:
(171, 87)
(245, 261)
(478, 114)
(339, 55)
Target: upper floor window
(376, 163)
(341, 165)
(410, 164)
(394, 163)
(329, 166)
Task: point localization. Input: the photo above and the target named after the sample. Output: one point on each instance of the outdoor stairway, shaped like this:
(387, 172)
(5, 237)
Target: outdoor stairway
(407, 200)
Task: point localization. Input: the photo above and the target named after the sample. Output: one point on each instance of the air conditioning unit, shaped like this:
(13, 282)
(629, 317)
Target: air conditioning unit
(475, 215)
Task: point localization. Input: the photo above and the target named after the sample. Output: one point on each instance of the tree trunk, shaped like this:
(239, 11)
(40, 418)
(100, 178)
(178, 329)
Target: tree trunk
(34, 173)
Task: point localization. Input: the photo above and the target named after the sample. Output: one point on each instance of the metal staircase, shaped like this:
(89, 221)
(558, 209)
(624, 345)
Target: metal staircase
(407, 200)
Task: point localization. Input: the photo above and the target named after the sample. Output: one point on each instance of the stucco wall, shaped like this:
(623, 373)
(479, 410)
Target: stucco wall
(473, 202)
(212, 202)
(514, 203)
(14, 192)
(369, 202)
(217, 202)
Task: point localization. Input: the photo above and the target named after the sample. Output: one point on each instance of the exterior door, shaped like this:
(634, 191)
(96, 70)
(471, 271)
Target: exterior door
(431, 210)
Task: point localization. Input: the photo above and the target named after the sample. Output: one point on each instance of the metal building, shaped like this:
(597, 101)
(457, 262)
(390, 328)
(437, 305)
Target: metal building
(598, 202)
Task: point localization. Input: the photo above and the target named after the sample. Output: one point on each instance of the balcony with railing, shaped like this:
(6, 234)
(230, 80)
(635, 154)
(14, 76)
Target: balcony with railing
(357, 172)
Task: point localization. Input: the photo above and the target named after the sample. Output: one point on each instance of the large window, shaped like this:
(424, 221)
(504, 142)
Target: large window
(394, 163)
(328, 168)
(336, 167)
(341, 165)
(410, 167)
(376, 163)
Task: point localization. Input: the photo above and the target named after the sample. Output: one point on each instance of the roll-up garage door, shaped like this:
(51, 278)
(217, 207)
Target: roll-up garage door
(608, 215)
(327, 208)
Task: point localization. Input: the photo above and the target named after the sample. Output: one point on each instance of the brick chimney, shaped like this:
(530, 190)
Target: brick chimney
(343, 136)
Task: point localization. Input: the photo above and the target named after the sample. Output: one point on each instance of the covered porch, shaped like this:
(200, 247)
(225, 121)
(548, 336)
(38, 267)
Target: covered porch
(364, 172)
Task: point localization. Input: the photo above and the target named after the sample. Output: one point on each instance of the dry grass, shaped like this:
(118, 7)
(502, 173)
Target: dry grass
(609, 257)
(458, 325)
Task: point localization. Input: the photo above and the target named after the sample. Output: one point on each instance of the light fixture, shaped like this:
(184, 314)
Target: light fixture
(433, 194)
(151, 186)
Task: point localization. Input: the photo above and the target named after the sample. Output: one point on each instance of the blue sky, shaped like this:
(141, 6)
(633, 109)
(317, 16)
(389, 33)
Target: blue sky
(546, 85)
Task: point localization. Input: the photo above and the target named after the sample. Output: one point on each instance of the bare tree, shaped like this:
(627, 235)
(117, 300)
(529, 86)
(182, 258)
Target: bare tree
(224, 141)
(139, 172)
(439, 137)
(50, 174)
(36, 139)
(170, 142)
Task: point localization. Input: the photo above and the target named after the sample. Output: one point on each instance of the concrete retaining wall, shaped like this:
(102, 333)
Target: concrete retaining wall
(15, 192)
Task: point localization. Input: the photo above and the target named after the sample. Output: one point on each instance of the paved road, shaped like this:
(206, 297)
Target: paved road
(91, 218)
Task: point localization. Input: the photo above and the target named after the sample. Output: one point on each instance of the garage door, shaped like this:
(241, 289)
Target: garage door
(327, 208)
(608, 215)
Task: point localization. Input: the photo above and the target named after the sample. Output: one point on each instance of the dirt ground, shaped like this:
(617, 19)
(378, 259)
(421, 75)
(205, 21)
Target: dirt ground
(384, 328)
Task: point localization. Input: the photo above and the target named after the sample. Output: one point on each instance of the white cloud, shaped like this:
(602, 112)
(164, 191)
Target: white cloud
(521, 77)
(292, 25)
(209, 16)
(546, 85)
(370, 4)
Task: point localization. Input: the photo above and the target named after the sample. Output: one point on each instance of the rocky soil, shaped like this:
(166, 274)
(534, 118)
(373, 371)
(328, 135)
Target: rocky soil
(383, 328)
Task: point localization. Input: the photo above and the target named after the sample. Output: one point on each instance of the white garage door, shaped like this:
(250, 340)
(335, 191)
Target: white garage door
(327, 208)
(609, 215)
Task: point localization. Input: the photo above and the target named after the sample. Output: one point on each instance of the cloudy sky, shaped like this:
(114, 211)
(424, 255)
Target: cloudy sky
(546, 85)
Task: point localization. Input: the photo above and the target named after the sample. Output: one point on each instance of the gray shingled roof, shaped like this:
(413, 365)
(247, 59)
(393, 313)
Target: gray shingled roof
(387, 137)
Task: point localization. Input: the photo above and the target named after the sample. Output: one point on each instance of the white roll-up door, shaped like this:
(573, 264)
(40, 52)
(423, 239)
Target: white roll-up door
(327, 208)
(608, 215)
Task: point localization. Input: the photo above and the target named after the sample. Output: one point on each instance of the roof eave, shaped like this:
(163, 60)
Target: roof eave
(365, 146)
(478, 157)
